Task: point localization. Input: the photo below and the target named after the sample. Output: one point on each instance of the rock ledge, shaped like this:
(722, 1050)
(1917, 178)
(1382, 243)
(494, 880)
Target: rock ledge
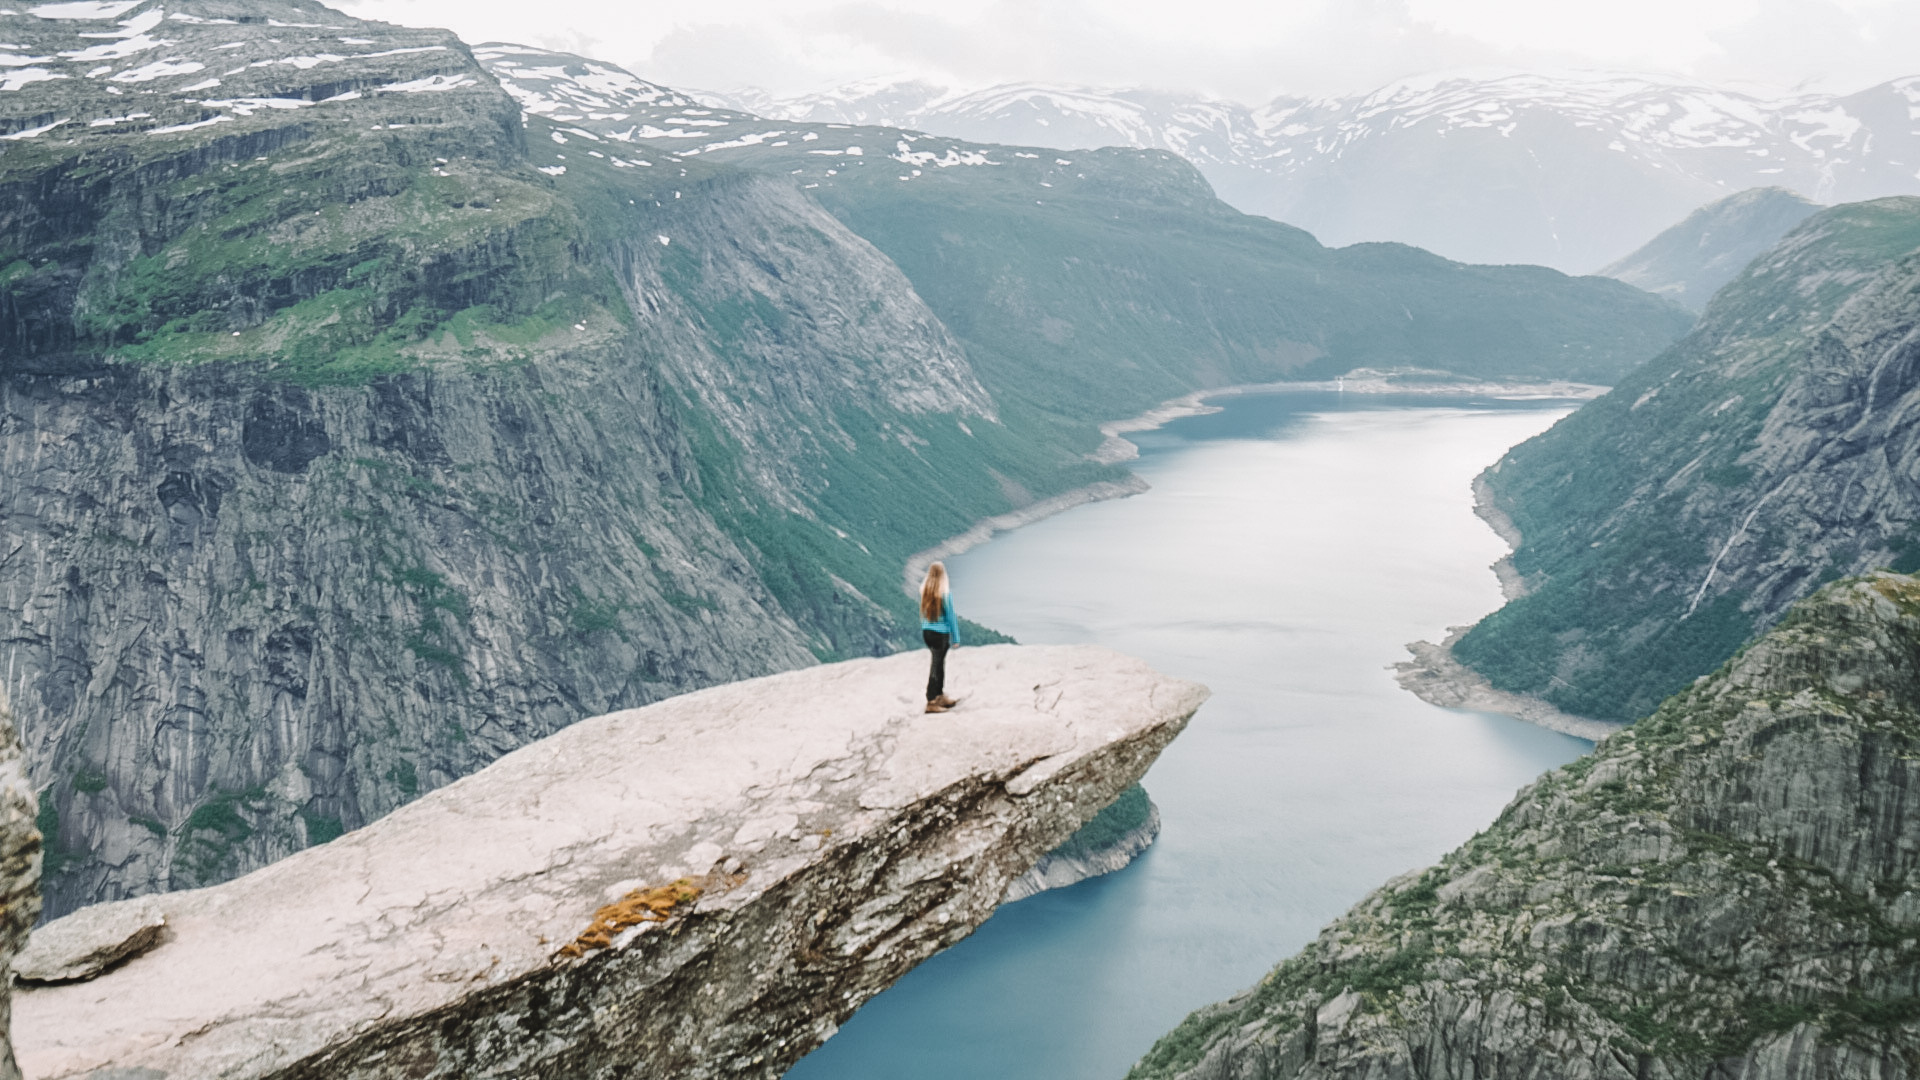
(841, 835)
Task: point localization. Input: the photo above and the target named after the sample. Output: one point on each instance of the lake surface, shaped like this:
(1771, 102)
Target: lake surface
(1290, 547)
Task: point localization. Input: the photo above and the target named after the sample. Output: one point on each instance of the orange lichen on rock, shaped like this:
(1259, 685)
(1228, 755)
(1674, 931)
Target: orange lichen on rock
(639, 906)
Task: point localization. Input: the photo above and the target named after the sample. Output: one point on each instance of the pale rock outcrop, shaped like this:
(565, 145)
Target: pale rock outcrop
(837, 833)
(19, 871)
(90, 941)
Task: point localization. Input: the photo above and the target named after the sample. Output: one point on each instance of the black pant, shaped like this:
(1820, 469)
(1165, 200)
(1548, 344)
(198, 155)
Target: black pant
(937, 676)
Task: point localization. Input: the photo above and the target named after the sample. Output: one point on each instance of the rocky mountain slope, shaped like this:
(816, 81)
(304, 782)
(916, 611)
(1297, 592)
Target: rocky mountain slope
(802, 841)
(1770, 451)
(1692, 260)
(1731, 888)
(1564, 170)
(345, 449)
(359, 425)
(1109, 280)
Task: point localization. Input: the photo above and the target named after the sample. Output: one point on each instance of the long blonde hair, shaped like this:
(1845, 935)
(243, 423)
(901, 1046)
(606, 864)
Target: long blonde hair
(933, 591)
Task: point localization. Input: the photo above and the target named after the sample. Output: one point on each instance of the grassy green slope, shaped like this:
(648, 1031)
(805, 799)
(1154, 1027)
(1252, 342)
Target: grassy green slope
(1122, 281)
(1623, 504)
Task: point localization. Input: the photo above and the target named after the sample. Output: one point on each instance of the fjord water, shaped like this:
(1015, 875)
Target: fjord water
(1290, 546)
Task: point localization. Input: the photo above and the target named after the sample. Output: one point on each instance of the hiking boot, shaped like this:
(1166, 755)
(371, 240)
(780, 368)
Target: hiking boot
(935, 706)
(946, 701)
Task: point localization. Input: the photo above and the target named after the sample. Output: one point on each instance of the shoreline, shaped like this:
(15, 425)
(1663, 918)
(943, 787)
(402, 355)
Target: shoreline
(1433, 674)
(1057, 871)
(1437, 677)
(1116, 449)
(1513, 584)
(986, 528)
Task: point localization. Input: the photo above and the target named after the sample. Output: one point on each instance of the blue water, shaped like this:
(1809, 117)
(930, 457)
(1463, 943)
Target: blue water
(1291, 545)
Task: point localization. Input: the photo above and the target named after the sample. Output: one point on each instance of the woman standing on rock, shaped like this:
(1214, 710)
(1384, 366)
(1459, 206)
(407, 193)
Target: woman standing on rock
(940, 629)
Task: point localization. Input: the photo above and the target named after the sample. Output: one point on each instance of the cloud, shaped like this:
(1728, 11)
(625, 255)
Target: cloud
(1316, 49)
(1227, 48)
(1831, 46)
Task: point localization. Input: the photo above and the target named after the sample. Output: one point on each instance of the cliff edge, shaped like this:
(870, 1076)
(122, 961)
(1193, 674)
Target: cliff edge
(704, 887)
(1730, 889)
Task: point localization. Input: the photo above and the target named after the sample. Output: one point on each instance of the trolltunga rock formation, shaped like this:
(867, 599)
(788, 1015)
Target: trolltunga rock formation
(705, 887)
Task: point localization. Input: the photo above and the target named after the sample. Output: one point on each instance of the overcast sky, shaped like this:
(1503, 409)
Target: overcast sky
(1246, 51)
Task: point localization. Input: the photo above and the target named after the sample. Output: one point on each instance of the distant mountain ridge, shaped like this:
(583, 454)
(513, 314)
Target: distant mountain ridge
(1691, 261)
(1571, 171)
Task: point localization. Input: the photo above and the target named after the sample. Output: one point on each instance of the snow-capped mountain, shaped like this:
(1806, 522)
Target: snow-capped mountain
(1569, 170)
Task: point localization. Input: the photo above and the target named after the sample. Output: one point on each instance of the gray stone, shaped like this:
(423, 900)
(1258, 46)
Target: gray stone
(19, 872)
(435, 942)
(90, 940)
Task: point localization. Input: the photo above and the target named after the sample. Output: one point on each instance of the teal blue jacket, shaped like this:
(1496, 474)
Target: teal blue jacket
(949, 623)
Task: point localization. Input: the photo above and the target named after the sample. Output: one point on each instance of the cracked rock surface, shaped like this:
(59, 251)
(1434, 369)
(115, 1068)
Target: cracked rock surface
(841, 835)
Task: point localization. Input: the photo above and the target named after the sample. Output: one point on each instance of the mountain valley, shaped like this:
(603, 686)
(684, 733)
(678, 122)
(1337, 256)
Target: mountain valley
(1569, 170)
(396, 431)
(413, 419)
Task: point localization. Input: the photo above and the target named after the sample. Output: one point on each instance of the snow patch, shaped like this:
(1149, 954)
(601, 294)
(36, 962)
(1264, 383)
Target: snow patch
(32, 133)
(432, 84)
(160, 69)
(208, 122)
(249, 106)
(114, 51)
(16, 79)
(85, 9)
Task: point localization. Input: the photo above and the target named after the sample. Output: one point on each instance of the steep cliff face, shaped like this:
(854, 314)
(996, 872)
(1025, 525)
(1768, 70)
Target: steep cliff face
(19, 874)
(1731, 888)
(344, 451)
(1770, 451)
(701, 888)
(1692, 260)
